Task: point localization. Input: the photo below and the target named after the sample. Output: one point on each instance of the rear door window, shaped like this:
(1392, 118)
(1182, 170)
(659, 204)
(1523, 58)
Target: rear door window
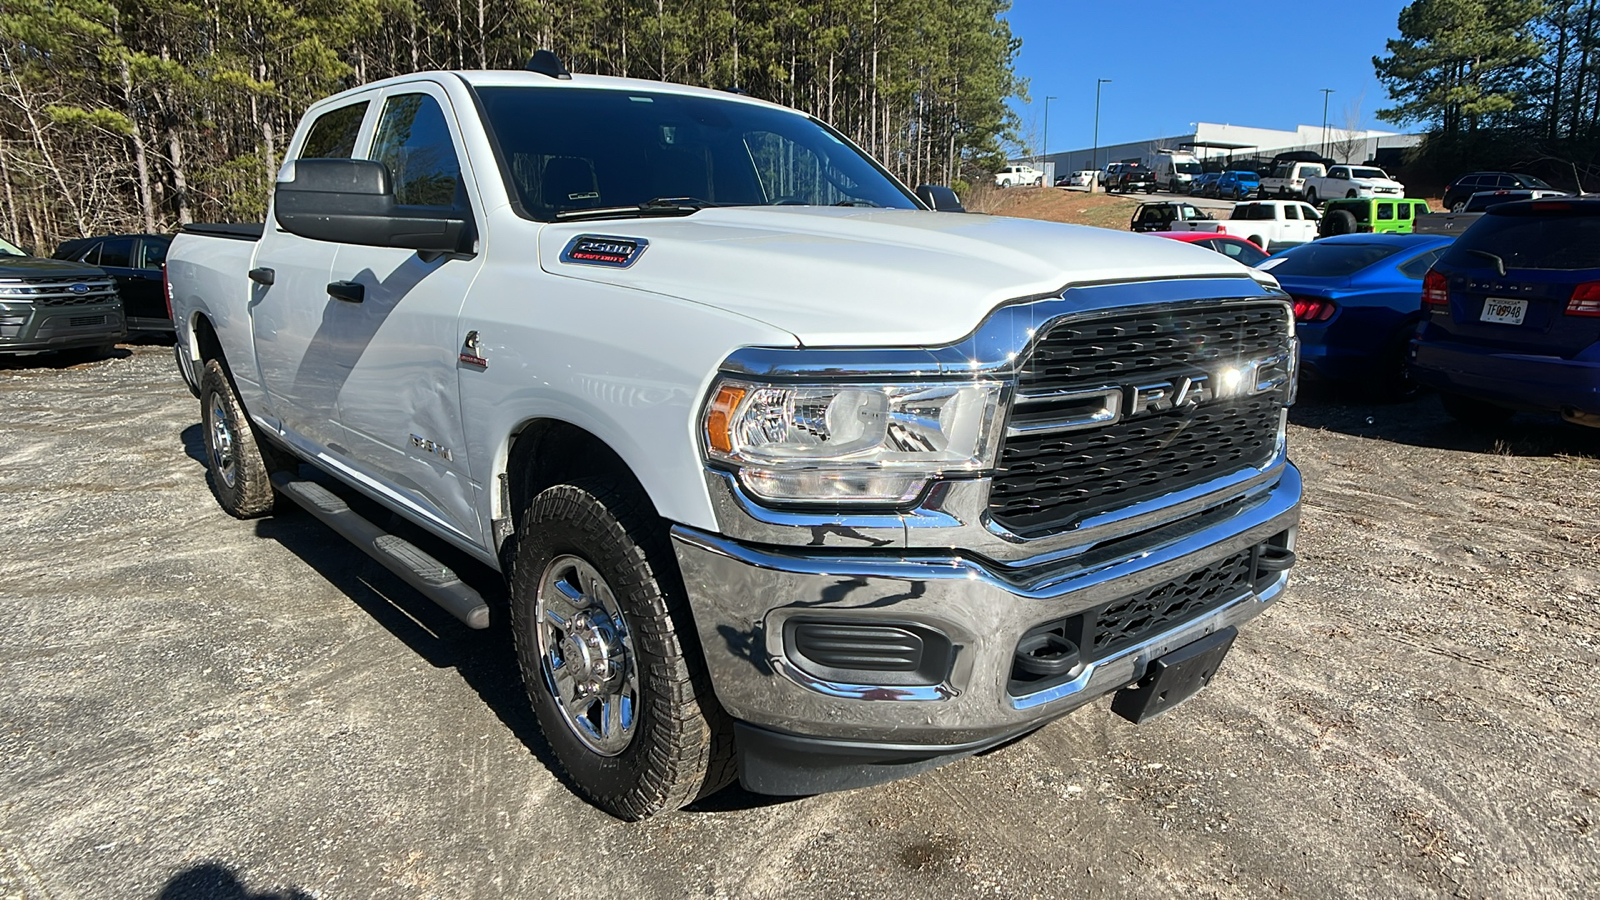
(1564, 242)
(1405, 211)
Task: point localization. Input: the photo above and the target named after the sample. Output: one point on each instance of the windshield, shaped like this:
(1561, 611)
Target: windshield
(1186, 168)
(572, 149)
(9, 249)
(1536, 183)
(1529, 242)
(1363, 172)
(1324, 260)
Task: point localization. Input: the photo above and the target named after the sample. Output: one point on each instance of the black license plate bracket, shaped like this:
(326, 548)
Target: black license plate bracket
(1174, 678)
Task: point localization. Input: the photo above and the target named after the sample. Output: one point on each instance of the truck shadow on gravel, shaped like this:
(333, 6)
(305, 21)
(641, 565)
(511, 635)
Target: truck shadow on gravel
(486, 660)
(215, 881)
(1422, 422)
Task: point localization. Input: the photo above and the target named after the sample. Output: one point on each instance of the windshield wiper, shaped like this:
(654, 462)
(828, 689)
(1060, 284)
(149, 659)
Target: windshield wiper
(660, 206)
(1499, 264)
(866, 203)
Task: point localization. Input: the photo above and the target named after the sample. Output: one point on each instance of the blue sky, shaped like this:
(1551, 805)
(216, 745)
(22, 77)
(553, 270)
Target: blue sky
(1175, 63)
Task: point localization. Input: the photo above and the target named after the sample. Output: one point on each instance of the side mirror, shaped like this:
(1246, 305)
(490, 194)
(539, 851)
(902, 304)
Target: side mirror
(351, 201)
(939, 198)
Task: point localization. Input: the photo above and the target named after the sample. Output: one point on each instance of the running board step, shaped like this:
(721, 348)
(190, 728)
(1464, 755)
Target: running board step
(429, 576)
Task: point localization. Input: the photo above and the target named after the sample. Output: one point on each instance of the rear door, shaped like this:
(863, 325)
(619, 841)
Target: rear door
(302, 357)
(402, 344)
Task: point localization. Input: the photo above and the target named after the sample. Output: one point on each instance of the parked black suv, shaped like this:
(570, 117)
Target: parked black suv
(135, 261)
(1456, 195)
(48, 304)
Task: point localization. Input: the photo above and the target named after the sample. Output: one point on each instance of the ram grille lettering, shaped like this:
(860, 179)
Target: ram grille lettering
(1097, 407)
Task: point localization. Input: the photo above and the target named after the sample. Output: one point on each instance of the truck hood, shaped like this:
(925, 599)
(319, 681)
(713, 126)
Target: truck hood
(840, 277)
(35, 267)
(1378, 182)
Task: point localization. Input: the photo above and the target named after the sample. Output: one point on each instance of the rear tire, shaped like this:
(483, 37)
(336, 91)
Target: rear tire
(603, 632)
(1311, 196)
(239, 463)
(1474, 413)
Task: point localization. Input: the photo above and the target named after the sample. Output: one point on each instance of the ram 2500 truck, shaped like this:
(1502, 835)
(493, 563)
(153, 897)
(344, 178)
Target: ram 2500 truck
(790, 475)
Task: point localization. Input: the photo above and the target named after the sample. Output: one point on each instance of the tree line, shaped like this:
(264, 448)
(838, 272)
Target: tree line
(1500, 82)
(140, 115)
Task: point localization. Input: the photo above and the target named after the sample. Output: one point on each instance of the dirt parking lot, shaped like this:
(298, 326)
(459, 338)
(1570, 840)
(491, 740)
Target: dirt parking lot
(196, 706)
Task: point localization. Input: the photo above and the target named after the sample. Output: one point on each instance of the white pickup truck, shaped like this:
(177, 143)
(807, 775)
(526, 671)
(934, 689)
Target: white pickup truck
(790, 476)
(1351, 181)
(1272, 225)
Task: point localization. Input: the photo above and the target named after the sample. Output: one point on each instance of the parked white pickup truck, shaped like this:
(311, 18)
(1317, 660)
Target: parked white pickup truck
(1272, 225)
(789, 476)
(1351, 181)
(1012, 176)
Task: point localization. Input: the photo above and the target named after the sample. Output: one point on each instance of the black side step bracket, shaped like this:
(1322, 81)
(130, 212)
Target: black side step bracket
(416, 568)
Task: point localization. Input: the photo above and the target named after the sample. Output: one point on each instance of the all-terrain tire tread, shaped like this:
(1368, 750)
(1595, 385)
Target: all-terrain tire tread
(690, 751)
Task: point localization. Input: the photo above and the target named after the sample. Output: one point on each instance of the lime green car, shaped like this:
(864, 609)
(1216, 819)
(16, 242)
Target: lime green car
(1371, 215)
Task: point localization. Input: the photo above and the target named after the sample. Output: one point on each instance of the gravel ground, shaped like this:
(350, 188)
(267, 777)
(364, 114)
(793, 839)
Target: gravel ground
(196, 706)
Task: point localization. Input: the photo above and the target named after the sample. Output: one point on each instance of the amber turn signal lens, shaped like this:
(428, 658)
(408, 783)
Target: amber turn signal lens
(719, 421)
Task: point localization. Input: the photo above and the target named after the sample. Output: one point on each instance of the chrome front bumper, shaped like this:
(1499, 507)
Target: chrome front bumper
(742, 594)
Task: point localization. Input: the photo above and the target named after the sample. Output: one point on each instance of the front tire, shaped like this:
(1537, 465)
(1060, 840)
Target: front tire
(606, 645)
(240, 465)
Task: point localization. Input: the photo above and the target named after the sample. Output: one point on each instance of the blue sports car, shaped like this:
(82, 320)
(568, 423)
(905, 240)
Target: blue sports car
(1357, 301)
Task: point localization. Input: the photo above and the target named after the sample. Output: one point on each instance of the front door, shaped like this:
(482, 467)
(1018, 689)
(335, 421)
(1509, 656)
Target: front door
(400, 404)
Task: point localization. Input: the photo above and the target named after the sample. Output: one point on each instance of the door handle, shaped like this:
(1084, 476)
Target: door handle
(262, 276)
(348, 291)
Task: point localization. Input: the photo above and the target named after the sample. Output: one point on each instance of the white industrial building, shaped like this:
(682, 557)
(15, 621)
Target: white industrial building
(1210, 140)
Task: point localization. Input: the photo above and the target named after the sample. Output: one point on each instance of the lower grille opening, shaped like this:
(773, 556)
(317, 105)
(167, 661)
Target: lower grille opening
(1106, 630)
(77, 321)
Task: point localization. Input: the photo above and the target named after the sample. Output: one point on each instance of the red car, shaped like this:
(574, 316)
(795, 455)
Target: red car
(1234, 248)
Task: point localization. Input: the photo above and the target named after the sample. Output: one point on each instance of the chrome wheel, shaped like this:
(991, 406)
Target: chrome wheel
(586, 655)
(222, 456)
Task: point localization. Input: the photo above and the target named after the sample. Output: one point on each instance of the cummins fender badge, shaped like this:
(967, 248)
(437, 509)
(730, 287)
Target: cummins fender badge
(603, 250)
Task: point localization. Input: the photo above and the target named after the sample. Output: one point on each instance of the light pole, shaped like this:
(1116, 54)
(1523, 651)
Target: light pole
(1046, 142)
(1097, 83)
(1325, 93)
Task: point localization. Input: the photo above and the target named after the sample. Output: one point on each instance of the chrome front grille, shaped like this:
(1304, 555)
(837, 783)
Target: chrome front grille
(56, 291)
(1117, 410)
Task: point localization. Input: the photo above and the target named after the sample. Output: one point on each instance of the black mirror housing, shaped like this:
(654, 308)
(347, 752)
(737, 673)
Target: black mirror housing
(939, 198)
(351, 201)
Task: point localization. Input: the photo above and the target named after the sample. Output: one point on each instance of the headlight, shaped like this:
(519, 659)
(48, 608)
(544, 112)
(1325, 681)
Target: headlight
(850, 443)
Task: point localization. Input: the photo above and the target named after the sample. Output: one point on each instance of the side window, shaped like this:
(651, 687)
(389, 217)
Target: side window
(1471, 182)
(1418, 266)
(1291, 213)
(154, 253)
(413, 140)
(333, 134)
(1338, 172)
(1503, 181)
(115, 252)
(1309, 213)
(1405, 212)
(1385, 212)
